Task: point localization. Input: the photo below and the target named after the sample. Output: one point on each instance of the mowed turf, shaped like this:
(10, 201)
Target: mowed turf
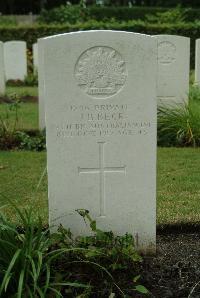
(20, 175)
(178, 186)
(27, 118)
(27, 112)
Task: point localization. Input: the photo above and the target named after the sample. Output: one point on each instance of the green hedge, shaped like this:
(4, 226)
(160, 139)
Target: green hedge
(134, 13)
(30, 34)
(119, 13)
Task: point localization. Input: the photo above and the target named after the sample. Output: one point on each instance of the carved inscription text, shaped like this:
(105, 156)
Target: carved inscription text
(100, 121)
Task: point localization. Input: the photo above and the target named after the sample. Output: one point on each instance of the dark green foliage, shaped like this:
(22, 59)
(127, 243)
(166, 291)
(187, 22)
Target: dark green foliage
(21, 140)
(64, 14)
(34, 263)
(75, 13)
(31, 33)
(176, 15)
(33, 143)
(25, 263)
(27, 6)
(99, 260)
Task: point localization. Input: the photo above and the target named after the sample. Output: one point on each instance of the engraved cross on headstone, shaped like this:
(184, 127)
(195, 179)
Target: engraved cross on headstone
(101, 170)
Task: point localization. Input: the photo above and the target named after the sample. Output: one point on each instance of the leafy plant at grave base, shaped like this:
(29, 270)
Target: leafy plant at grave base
(25, 260)
(34, 263)
(180, 125)
(8, 127)
(33, 143)
(107, 258)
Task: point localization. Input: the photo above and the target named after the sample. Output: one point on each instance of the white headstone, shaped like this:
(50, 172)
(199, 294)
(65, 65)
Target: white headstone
(197, 62)
(15, 60)
(35, 56)
(2, 70)
(173, 69)
(41, 86)
(100, 104)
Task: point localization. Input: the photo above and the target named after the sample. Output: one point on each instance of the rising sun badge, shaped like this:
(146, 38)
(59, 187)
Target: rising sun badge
(101, 72)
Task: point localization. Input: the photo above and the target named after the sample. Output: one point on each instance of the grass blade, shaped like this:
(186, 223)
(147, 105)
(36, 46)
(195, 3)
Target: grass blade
(20, 285)
(6, 276)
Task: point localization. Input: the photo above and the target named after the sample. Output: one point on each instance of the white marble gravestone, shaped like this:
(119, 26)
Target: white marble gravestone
(15, 60)
(100, 104)
(2, 70)
(173, 69)
(41, 99)
(35, 56)
(197, 62)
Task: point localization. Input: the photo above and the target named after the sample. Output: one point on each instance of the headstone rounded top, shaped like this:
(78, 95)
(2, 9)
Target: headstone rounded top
(166, 52)
(171, 37)
(74, 34)
(100, 71)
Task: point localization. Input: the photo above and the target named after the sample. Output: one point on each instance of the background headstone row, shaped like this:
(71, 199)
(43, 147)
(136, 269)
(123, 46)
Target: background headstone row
(172, 73)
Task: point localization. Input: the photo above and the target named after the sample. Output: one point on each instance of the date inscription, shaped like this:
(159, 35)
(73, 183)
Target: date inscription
(101, 121)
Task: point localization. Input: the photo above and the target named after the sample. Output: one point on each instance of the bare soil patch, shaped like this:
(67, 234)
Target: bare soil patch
(175, 270)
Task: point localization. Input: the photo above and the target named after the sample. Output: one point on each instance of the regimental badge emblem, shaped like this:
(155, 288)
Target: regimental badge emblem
(101, 72)
(166, 52)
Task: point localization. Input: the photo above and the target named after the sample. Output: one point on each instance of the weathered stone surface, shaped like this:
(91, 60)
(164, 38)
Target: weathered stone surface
(41, 85)
(35, 56)
(197, 62)
(15, 60)
(100, 103)
(173, 69)
(2, 69)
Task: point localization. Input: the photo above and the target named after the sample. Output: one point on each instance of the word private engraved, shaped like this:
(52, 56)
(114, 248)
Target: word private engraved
(166, 52)
(100, 72)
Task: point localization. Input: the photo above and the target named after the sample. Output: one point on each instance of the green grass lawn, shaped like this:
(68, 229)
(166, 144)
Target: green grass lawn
(27, 112)
(27, 115)
(178, 187)
(20, 173)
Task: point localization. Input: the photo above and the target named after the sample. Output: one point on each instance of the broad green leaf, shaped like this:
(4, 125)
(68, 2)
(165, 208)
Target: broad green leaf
(141, 289)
